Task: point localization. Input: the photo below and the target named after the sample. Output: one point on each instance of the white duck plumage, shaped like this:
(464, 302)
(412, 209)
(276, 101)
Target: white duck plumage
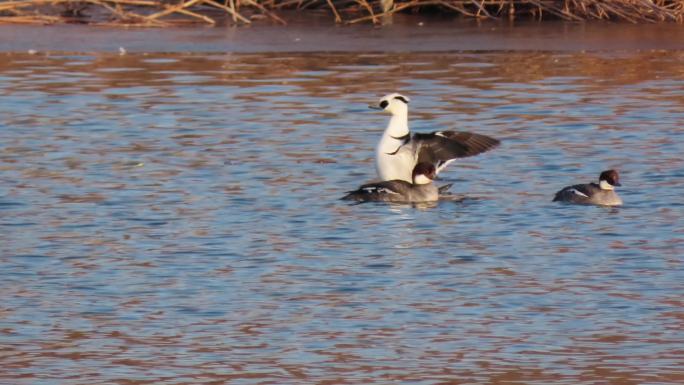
(399, 150)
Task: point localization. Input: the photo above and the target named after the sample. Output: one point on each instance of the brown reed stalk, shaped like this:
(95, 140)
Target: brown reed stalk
(151, 12)
(230, 11)
(197, 16)
(338, 19)
(172, 9)
(287, 4)
(32, 19)
(307, 4)
(119, 12)
(481, 9)
(458, 7)
(556, 11)
(266, 11)
(391, 11)
(368, 8)
(234, 14)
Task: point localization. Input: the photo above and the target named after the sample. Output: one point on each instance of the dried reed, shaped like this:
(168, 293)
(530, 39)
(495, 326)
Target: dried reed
(159, 13)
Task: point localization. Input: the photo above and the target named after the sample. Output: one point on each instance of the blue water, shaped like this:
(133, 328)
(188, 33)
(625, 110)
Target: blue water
(175, 219)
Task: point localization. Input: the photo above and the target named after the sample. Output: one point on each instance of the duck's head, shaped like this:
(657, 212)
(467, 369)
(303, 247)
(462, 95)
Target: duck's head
(609, 179)
(423, 173)
(393, 103)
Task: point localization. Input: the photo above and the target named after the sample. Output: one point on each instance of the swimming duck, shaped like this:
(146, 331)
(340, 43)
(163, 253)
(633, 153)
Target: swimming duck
(602, 193)
(420, 190)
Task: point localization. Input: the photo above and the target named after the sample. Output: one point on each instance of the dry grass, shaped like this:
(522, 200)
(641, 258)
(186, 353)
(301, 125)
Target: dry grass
(160, 13)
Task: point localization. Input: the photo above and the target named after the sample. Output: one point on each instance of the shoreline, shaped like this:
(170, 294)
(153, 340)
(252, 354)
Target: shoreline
(406, 34)
(161, 13)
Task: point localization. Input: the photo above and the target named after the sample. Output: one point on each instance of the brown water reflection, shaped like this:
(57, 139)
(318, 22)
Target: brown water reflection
(172, 219)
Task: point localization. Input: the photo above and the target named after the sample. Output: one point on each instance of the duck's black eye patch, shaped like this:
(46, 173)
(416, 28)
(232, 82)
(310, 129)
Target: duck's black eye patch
(383, 104)
(403, 99)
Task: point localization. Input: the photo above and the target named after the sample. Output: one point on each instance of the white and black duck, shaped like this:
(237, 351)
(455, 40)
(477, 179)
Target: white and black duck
(399, 150)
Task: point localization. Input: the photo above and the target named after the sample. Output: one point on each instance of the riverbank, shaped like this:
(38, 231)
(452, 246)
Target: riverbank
(162, 13)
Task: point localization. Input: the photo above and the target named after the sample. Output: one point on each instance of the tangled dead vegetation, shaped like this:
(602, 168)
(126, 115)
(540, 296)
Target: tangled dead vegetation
(160, 13)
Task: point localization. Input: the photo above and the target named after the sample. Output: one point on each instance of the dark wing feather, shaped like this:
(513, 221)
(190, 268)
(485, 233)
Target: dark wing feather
(445, 188)
(442, 146)
(568, 194)
(379, 191)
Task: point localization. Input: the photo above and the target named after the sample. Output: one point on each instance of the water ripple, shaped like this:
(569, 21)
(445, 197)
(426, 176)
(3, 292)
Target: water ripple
(176, 219)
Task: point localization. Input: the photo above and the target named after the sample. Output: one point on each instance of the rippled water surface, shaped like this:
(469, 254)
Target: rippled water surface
(174, 219)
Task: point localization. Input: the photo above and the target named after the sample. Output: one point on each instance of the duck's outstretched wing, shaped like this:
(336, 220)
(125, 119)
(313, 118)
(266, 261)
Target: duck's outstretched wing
(441, 147)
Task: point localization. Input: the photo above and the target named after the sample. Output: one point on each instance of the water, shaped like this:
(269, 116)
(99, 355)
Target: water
(174, 219)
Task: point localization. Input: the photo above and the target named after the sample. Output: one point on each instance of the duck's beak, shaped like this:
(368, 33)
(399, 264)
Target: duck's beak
(617, 184)
(374, 107)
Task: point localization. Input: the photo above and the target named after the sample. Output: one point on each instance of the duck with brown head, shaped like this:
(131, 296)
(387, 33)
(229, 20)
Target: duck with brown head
(420, 190)
(601, 193)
